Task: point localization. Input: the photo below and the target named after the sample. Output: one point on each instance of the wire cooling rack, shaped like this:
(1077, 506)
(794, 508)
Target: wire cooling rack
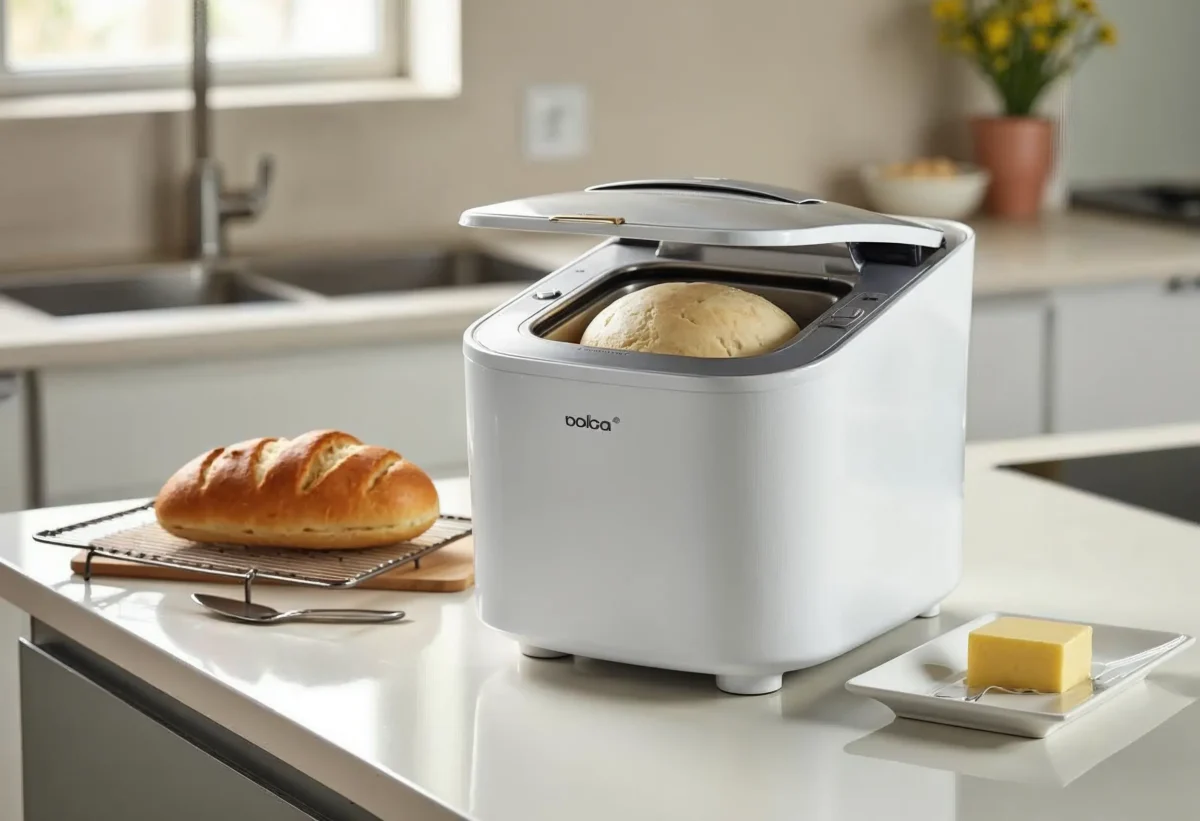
(134, 535)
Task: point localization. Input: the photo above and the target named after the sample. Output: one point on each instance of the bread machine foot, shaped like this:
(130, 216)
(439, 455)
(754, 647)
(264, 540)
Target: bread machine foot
(749, 685)
(540, 652)
(931, 613)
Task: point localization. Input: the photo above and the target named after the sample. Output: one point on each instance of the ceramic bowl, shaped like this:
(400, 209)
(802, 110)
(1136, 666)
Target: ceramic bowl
(941, 197)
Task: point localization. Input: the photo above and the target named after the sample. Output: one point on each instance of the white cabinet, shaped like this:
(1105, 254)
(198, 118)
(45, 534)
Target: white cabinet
(14, 467)
(1125, 356)
(1006, 387)
(119, 432)
(14, 625)
(14, 447)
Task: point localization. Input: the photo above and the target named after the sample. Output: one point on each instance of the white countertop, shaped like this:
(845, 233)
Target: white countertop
(1072, 249)
(441, 715)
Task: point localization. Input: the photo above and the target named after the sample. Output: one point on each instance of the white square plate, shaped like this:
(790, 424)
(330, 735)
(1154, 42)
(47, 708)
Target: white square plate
(907, 683)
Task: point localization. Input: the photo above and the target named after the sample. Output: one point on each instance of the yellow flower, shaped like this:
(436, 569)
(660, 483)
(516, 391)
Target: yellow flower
(997, 33)
(1040, 41)
(1086, 6)
(1000, 63)
(1041, 14)
(1107, 34)
(948, 9)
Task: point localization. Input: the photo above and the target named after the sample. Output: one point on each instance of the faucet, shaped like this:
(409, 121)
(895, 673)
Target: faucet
(212, 206)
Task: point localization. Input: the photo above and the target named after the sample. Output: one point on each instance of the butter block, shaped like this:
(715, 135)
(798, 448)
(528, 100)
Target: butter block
(1029, 654)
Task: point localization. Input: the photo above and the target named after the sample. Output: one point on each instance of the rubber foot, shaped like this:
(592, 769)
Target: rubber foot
(540, 652)
(749, 685)
(931, 613)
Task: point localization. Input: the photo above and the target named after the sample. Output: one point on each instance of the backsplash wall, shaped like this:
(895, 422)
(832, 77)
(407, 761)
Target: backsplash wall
(797, 92)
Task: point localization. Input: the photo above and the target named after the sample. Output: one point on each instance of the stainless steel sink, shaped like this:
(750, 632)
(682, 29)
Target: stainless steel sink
(99, 292)
(363, 274)
(272, 279)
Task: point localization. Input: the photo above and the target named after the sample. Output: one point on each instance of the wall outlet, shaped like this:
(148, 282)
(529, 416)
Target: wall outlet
(556, 122)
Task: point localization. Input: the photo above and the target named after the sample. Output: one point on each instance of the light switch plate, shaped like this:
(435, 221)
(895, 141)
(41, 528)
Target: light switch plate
(556, 121)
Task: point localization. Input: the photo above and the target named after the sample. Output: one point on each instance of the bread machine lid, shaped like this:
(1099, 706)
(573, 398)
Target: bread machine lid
(702, 211)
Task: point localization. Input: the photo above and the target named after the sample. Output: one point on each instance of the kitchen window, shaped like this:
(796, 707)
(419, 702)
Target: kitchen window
(72, 46)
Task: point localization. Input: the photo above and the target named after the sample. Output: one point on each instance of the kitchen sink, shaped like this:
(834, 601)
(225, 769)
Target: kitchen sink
(361, 274)
(270, 279)
(184, 286)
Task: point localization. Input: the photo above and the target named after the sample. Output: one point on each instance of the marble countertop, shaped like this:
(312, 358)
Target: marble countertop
(1077, 249)
(1072, 249)
(441, 717)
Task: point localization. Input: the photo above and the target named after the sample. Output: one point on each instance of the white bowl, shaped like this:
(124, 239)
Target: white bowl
(951, 198)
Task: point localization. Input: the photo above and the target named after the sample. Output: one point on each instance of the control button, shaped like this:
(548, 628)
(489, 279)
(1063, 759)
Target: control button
(849, 313)
(547, 295)
(837, 322)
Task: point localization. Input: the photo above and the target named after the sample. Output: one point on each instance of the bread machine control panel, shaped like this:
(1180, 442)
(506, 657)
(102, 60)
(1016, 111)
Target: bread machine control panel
(853, 311)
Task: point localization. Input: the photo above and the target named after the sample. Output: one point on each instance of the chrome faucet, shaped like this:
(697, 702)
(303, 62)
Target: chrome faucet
(212, 207)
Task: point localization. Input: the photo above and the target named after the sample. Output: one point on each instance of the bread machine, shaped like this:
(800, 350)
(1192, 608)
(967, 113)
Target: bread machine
(739, 517)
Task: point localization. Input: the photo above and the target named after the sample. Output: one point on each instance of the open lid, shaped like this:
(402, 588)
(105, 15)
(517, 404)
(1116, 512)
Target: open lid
(702, 211)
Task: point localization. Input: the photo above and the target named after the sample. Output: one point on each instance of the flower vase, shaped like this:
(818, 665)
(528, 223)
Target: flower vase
(1019, 154)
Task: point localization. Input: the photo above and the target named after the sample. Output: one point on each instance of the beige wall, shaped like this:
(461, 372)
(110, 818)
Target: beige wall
(796, 92)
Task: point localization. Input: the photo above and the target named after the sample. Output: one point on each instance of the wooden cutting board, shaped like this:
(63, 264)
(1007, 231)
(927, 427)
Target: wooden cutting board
(448, 570)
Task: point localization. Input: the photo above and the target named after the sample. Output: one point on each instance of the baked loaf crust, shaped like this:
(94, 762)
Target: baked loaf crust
(322, 490)
(691, 319)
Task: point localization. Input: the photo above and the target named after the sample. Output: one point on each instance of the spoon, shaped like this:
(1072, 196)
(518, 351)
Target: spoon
(262, 614)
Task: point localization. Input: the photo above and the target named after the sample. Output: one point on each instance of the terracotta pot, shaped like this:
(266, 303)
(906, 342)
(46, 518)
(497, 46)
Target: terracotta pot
(1019, 153)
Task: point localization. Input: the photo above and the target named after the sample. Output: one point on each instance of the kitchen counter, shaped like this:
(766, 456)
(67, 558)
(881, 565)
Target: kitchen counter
(1061, 251)
(1079, 249)
(441, 717)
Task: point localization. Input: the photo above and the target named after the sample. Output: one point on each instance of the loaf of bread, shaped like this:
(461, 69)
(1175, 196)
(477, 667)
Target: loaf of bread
(322, 490)
(691, 319)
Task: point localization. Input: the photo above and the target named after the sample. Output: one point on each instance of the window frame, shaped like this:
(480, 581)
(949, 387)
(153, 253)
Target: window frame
(389, 61)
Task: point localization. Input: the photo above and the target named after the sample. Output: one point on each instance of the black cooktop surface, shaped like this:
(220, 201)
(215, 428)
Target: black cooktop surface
(1165, 481)
(1175, 202)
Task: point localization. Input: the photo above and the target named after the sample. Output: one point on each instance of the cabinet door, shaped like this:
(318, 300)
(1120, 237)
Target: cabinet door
(119, 432)
(14, 435)
(1006, 383)
(14, 626)
(1126, 357)
(89, 755)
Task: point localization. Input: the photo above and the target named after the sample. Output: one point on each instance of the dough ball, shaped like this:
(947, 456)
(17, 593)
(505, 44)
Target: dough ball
(691, 319)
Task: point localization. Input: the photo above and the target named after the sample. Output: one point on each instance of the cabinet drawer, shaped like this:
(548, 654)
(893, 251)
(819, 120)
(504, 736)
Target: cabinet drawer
(121, 431)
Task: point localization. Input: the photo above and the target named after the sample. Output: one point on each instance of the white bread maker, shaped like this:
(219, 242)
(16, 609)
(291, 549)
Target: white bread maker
(738, 517)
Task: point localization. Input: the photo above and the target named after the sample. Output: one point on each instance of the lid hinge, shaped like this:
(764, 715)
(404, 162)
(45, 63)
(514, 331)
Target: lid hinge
(808, 260)
(891, 253)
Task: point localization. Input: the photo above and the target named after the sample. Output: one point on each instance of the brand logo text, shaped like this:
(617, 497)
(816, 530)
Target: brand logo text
(590, 423)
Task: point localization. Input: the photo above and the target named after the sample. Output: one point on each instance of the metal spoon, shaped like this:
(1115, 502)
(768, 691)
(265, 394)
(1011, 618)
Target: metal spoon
(262, 614)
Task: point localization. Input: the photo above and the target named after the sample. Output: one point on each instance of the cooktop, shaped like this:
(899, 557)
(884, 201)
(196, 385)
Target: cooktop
(1165, 481)
(1175, 202)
